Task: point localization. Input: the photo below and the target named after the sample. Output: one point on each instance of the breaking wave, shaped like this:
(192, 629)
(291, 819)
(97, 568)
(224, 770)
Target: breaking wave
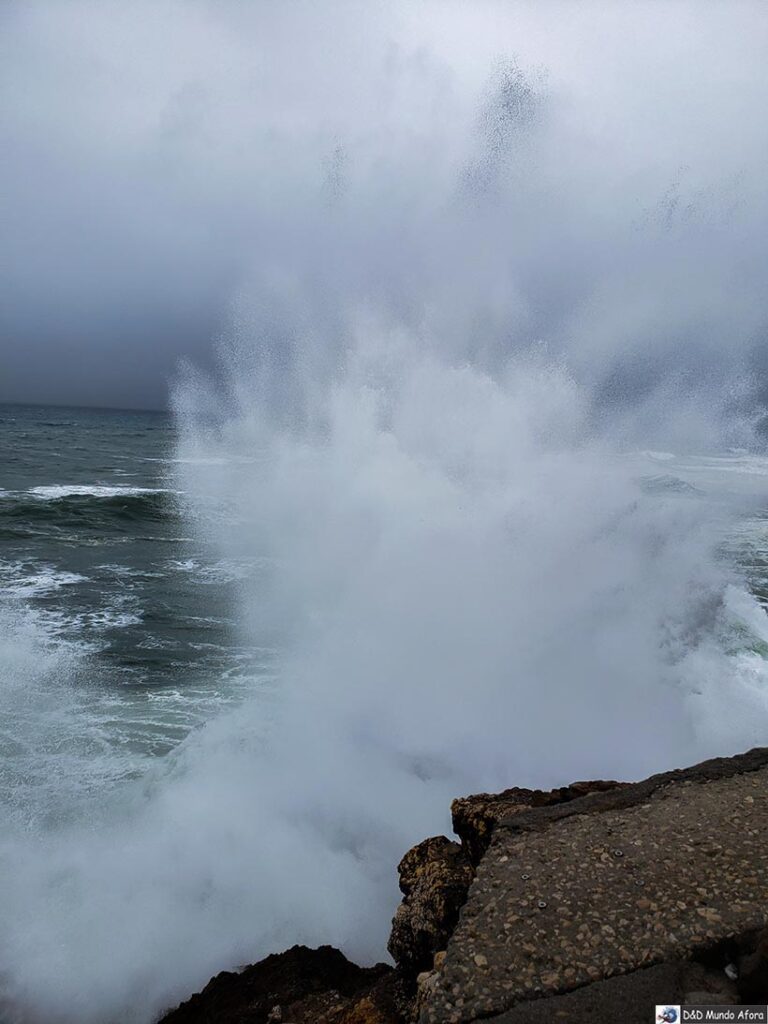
(83, 505)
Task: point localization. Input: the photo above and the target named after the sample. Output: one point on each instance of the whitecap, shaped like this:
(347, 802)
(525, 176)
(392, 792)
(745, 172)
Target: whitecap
(53, 492)
(21, 580)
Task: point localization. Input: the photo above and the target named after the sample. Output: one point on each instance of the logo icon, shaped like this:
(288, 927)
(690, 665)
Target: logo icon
(667, 1014)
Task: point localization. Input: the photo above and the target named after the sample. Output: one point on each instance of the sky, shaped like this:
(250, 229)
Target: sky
(167, 164)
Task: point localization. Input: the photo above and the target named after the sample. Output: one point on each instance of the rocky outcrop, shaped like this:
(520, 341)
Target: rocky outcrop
(597, 890)
(434, 878)
(435, 875)
(475, 817)
(593, 901)
(300, 986)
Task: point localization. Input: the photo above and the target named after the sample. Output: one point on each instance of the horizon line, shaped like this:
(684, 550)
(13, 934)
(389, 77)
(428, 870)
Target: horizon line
(94, 408)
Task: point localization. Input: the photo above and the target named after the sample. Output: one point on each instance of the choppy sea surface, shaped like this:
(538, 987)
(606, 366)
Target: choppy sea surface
(308, 606)
(98, 559)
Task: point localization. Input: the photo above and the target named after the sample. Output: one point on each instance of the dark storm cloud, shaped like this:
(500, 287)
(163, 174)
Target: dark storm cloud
(151, 153)
(119, 254)
(480, 167)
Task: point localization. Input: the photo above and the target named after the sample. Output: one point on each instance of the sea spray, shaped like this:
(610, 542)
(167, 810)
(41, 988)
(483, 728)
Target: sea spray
(461, 608)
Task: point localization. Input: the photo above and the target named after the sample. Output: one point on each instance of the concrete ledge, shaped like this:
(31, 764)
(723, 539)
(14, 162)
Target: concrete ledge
(638, 792)
(608, 885)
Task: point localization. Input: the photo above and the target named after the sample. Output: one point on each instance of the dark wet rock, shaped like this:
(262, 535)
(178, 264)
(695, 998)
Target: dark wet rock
(434, 879)
(299, 986)
(753, 971)
(475, 817)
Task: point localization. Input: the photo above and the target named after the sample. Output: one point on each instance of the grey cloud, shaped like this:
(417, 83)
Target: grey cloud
(498, 175)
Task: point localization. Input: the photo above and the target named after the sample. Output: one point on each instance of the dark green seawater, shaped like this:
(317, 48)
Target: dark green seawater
(98, 562)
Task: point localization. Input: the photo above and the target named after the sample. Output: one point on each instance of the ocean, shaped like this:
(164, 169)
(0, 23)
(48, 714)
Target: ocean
(248, 660)
(97, 560)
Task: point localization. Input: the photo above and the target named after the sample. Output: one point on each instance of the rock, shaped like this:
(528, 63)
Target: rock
(753, 971)
(595, 900)
(475, 817)
(434, 879)
(300, 986)
(578, 898)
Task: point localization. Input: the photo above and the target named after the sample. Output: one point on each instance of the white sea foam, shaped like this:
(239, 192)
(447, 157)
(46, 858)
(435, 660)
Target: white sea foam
(225, 570)
(115, 617)
(78, 631)
(54, 492)
(25, 579)
(128, 571)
